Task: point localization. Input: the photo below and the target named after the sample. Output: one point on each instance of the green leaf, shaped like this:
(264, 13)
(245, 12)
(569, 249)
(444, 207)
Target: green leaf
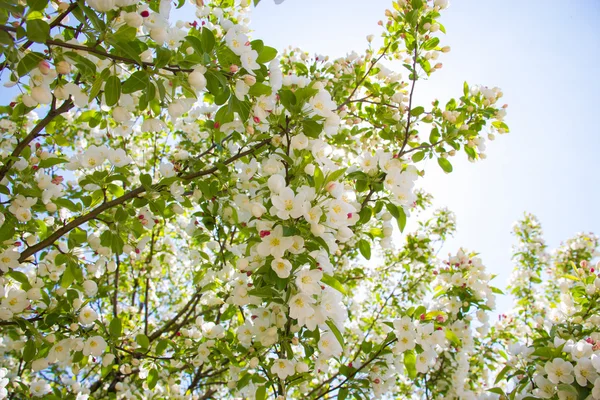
(334, 283)
(29, 350)
(290, 231)
(410, 363)
(415, 112)
(431, 43)
(418, 156)
(162, 57)
(434, 136)
(146, 180)
(259, 89)
(29, 62)
(152, 379)
(37, 30)
(318, 177)
(267, 54)
(451, 336)
(445, 164)
(335, 175)
(342, 394)
(261, 391)
(67, 278)
(49, 162)
(19, 277)
(401, 219)
(497, 390)
(115, 328)
(288, 100)
(112, 90)
(208, 40)
(311, 128)
(162, 346)
(567, 388)
(137, 81)
(37, 5)
(502, 374)
(365, 248)
(143, 341)
(336, 332)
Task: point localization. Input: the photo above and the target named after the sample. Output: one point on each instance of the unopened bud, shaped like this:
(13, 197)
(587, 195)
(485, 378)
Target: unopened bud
(249, 80)
(44, 67)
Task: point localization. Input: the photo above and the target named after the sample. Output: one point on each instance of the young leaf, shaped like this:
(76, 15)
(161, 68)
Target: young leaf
(38, 30)
(115, 328)
(336, 332)
(112, 90)
(334, 283)
(142, 340)
(445, 164)
(365, 248)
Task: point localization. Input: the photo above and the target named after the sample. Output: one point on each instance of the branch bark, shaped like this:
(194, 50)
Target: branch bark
(35, 132)
(82, 219)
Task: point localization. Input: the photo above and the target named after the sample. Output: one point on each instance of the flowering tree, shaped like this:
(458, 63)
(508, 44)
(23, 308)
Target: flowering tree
(187, 213)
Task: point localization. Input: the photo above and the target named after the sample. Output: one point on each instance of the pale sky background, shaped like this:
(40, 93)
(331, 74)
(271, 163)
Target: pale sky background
(543, 54)
(545, 57)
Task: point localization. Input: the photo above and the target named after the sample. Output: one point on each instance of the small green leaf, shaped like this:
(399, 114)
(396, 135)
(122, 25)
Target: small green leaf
(267, 54)
(112, 90)
(152, 379)
(335, 175)
(497, 390)
(342, 394)
(37, 5)
(318, 177)
(29, 350)
(401, 219)
(37, 30)
(334, 283)
(115, 328)
(502, 374)
(261, 391)
(410, 363)
(208, 40)
(418, 156)
(19, 277)
(431, 43)
(445, 164)
(29, 62)
(137, 81)
(259, 89)
(415, 112)
(434, 136)
(146, 180)
(365, 248)
(143, 341)
(336, 332)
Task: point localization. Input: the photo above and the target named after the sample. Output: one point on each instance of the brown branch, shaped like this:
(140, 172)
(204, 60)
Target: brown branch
(365, 76)
(115, 299)
(120, 200)
(165, 327)
(144, 64)
(79, 221)
(410, 97)
(28, 43)
(369, 361)
(35, 133)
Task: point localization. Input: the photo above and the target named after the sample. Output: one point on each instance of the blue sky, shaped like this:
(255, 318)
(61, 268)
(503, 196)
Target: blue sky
(544, 55)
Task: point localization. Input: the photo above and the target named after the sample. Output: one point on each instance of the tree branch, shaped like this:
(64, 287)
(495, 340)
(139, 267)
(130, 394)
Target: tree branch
(120, 200)
(35, 132)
